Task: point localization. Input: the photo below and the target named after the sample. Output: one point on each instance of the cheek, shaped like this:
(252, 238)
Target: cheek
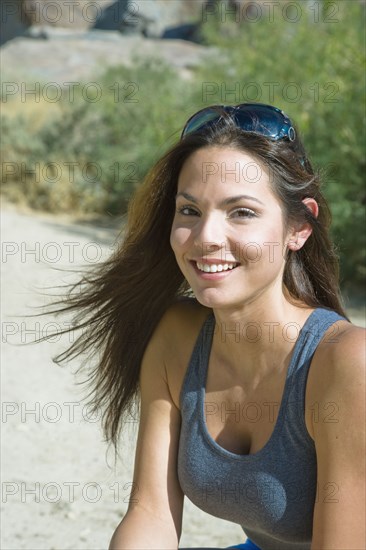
(179, 238)
(252, 252)
(265, 248)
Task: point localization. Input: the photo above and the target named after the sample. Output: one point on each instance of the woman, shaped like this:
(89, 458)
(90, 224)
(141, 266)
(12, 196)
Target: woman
(221, 312)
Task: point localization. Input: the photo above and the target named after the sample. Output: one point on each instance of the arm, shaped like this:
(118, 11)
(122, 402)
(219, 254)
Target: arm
(155, 520)
(340, 511)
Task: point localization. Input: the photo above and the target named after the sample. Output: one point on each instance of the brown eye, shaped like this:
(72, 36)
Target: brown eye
(244, 213)
(187, 211)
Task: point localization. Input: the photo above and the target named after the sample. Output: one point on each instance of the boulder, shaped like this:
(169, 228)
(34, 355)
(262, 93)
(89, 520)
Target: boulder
(67, 55)
(148, 17)
(13, 21)
(168, 14)
(75, 14)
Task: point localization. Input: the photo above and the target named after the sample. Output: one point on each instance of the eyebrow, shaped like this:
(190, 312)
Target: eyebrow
(225, 202)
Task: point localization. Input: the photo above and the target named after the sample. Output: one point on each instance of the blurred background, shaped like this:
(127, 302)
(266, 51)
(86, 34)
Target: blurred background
(92, 94)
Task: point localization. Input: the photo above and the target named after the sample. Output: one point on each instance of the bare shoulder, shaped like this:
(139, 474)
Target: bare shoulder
(341, 353)
(338, 368)
(178, 332)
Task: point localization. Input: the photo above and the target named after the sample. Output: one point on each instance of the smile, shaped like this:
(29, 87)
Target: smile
(213, 268)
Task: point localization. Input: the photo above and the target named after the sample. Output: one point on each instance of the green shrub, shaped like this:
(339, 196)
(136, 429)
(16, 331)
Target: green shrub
(92, 154)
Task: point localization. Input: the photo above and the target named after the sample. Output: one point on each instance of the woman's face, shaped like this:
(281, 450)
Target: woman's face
(228, 234)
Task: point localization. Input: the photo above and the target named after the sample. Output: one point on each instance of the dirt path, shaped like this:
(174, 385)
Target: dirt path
(58, 491)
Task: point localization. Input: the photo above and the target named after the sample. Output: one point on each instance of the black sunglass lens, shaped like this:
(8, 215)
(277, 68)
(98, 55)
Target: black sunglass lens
(260, 120)
(200, 120)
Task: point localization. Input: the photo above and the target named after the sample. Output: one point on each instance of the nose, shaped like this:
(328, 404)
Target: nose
(209, 234)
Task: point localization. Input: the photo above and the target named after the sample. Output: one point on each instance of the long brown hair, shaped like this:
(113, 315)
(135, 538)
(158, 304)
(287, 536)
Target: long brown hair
(118, 303)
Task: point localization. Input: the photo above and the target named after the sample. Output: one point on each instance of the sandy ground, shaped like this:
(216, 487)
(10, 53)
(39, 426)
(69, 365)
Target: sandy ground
(60, 489)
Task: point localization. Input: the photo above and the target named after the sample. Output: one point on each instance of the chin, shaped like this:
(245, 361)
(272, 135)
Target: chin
(213, 299)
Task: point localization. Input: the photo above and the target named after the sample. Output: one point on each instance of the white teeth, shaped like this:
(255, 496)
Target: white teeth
(213, 268)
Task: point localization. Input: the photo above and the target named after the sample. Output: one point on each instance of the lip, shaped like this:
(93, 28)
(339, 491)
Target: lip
(213, 261)
(211, 276)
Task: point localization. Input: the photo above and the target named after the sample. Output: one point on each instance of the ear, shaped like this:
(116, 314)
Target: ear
(300, 234)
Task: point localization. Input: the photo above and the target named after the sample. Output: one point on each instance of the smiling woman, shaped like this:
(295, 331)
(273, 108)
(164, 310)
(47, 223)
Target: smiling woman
(227, 234)
(224, 298)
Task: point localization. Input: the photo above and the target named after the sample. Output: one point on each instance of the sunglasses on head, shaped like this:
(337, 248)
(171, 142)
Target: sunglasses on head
(258, 118)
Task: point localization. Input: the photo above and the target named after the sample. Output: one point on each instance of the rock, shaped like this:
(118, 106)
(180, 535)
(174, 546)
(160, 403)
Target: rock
(148, 17)
(18, 15)
(77, 14)
(68, 55)
(189, 31)
(166, 14)
(122, 16)
(12, 21)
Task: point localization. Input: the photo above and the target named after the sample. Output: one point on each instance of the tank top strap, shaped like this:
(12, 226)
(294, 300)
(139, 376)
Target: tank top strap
(195, 375)
(310, 335)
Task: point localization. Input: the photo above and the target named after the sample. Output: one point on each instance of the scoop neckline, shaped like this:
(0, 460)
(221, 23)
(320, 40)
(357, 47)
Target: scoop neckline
(281, 412)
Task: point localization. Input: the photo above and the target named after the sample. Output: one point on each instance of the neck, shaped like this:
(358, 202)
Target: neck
(264, 333)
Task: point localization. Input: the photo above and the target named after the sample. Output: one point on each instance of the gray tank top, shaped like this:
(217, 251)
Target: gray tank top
(272, 492)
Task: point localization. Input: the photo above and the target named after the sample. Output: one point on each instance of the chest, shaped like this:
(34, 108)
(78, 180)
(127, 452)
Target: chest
(239, 419)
